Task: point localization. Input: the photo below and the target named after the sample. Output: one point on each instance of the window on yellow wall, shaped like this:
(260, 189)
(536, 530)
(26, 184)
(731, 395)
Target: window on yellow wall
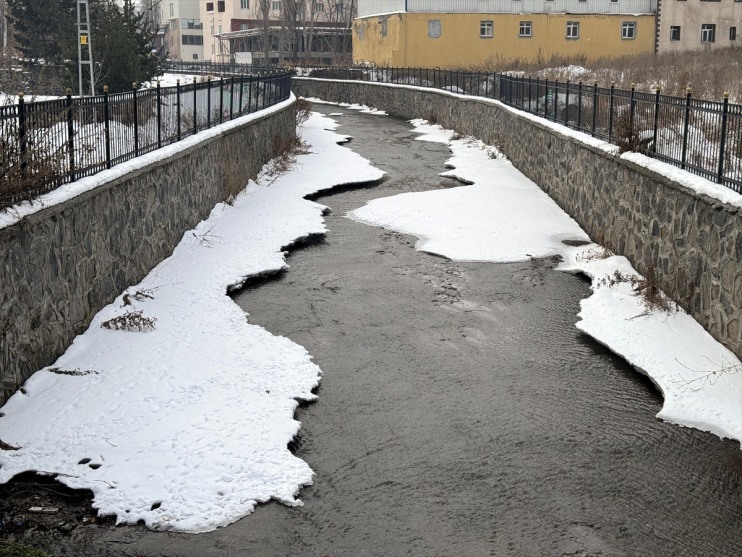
(486, 29)
(434, 28)
(382, 26)
(526, 29)
(573, 29)
(628, 30)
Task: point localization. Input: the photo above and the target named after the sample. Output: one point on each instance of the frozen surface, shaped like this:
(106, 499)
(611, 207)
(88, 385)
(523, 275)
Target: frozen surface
(491, 220)
(700, 379)
(504, 216)
(185, 425)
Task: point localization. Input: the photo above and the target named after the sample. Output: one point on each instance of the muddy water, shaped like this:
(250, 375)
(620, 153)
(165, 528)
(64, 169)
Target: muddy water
(461, 412)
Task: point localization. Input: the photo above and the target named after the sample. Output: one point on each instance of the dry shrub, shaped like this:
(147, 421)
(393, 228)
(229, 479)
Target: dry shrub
(303, 111)
(130, 321)
(708, 72)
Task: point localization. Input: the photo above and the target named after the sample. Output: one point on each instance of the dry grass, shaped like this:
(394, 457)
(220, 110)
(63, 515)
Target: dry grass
(709, 73)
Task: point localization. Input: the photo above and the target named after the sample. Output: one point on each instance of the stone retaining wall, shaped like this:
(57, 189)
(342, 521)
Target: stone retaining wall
(61, 265)
(692, 243)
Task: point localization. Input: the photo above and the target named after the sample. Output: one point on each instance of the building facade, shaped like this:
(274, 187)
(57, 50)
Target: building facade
(183, 29)
(473, 33)
(698, 24)
(276, 31)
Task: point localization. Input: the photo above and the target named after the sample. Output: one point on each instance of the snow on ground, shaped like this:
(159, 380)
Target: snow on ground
(477, 222)
(185, 424)
(504, 216)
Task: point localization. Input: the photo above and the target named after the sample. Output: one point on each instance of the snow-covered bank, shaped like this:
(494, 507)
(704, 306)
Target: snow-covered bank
(504, 216)
(184, 424)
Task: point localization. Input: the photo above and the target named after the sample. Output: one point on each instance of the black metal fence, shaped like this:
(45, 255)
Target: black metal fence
(46, 144)
(702, 137)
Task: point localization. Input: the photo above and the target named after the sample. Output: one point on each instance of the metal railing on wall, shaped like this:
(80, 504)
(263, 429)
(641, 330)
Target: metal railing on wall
(46, 144)
(700, 136)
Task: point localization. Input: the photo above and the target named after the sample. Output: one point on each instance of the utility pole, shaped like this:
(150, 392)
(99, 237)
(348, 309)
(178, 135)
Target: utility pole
(84, 50)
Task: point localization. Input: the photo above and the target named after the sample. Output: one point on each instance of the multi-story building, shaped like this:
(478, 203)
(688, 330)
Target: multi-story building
(275, 31)
(183, 29)
(698, 24)
(468, 33)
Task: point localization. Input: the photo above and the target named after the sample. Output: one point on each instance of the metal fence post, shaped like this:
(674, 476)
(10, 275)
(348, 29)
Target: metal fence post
(566, 105)
(556, 95)
(241, 111)
(70, 135)
(22, 131)
(195, 95)
(595, 108)
(632, 107)
(249, 94)
(208, 101)
(177, 107)
(579, 105)
(107, 125)
(610, 114)
(159, 116)
(722, 142)
(656, 119)
(231, 97)
(221, 99)
(136, 120)
(686, 123)
(538, 89)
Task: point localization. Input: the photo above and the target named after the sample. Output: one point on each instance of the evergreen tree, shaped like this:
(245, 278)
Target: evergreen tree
(121, 39)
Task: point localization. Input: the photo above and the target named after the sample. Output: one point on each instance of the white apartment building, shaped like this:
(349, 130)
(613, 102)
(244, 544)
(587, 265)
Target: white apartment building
(183, 29)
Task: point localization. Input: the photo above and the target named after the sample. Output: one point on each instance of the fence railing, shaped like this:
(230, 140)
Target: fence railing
(702, 137)
(46, 144)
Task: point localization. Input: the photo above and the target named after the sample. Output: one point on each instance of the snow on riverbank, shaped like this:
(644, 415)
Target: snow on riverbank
(185, 424)
(504, 216)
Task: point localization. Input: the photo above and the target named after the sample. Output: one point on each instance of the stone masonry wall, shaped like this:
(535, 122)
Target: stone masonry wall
(691, 242)
(60, 266)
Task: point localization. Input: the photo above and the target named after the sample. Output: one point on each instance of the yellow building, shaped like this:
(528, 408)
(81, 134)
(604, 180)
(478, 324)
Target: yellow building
(459, 40)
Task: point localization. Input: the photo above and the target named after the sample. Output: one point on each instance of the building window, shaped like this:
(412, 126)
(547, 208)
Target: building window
(220, 6)
(708, 33)
(220, 29)
(361, 30)
(732, 33)
(614, 1)
(276, 6)
(244, 4)
(434, 28)
(628, 30)
(195, 56)
(486, 29)
(209, 6)
(340, 9)
(191, 24)
(243, 26)
(192, 40)
(573, 29)
(675, 32)
(318, 8)
(526, 29)
(172, 9)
